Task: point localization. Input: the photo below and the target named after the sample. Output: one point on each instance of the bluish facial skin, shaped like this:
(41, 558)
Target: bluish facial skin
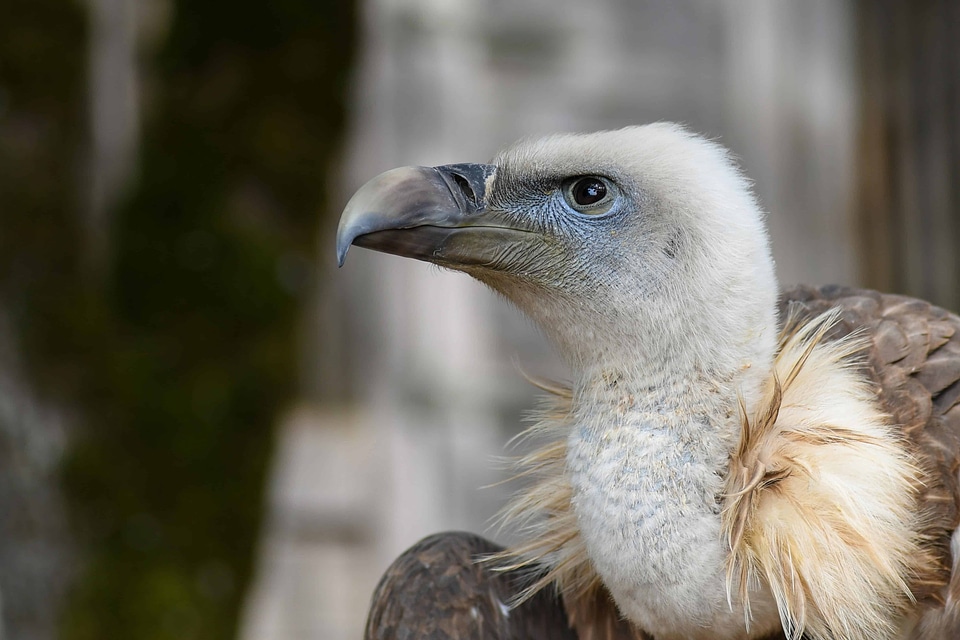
(563, 234)
(587, 248)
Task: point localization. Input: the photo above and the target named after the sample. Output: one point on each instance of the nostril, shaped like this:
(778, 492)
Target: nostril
(465, 188)
(468, 184)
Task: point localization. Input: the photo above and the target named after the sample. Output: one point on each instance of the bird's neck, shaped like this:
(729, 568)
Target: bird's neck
(693, 408)
(697, 365)
(648, 450)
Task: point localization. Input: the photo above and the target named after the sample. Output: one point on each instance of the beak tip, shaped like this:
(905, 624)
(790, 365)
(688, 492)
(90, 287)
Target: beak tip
(342, 248)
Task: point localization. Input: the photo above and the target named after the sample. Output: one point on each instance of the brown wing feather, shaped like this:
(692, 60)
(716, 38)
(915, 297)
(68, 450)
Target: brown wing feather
(437, 590)
(915, 361)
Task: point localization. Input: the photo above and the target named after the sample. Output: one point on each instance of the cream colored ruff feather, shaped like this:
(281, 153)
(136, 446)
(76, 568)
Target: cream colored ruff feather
(820, 502)
(819, 508)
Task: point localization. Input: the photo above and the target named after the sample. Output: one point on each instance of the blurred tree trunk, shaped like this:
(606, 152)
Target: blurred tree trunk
(210, 273)
(177, 354)
(909, 148)
(42, 57)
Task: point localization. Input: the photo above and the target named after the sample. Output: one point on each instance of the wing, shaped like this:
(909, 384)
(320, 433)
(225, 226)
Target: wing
(438, 590)
(914, 358)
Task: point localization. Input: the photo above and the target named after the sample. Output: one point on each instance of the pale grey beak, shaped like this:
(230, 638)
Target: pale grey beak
(437, 214)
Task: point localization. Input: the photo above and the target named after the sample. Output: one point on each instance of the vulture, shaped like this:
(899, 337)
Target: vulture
(729, 461)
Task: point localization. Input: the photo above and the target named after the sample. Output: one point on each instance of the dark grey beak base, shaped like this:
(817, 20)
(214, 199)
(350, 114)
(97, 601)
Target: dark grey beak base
(416, 211)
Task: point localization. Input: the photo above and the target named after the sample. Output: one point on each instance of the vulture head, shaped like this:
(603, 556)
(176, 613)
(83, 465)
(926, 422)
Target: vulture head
(644, 242)
(719, 468)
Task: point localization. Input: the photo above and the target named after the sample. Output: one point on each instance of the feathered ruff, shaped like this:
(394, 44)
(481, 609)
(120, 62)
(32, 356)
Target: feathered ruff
(820, 503)
(820, 500)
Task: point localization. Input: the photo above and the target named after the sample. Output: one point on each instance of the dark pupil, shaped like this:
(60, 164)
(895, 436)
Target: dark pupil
(589, 191)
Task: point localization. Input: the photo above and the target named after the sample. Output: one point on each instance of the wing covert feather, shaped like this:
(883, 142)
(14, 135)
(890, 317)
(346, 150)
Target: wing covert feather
(438, 591)
(914, 359)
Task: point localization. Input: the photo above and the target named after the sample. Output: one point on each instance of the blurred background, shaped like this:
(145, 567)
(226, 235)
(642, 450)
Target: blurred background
(206, 429)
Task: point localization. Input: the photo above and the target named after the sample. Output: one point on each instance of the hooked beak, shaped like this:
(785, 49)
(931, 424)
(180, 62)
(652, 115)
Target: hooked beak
(436, 214)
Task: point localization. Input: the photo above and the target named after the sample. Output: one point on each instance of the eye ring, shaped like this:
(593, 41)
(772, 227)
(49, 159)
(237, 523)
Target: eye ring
(589, 195)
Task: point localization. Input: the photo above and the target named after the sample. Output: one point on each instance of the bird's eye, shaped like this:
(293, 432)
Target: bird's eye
(589, 194)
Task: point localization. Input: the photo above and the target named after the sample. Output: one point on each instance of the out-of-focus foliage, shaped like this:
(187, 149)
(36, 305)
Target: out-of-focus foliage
(41, 142)
(180, 353)
(42, 69)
